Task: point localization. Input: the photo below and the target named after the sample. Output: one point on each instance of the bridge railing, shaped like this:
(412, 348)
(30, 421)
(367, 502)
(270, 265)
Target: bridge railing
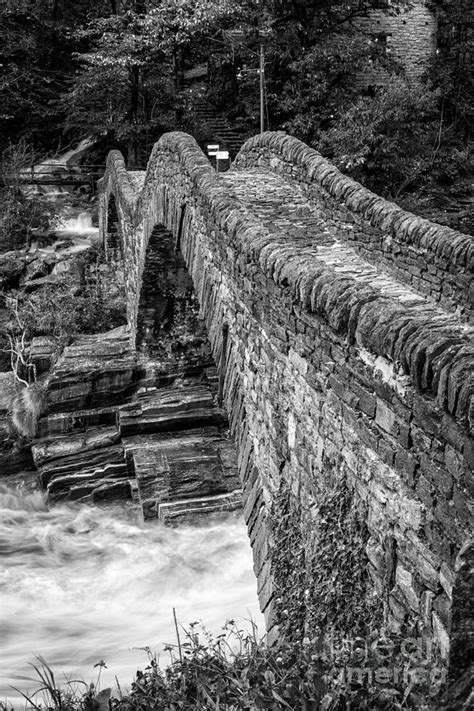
(53, 170)
(54, 173)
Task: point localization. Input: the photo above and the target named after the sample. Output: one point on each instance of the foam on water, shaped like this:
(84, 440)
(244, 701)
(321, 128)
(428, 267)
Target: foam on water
(79, 584)
(78, 225)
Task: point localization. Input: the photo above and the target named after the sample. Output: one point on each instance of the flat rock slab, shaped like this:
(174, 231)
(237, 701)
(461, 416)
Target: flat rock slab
(191, 511)
(195, 464)
(88, 479)
(73, 466)
(71, 445)
(66, 423)
(169, 409)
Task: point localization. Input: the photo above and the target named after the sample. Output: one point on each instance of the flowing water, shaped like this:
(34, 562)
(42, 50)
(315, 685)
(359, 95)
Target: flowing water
(80, 224)
(80, 584)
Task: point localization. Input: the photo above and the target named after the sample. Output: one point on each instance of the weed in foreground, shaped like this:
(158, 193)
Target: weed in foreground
(237, 671)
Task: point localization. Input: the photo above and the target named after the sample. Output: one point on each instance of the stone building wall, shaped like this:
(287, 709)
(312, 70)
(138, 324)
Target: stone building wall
(409, 37)
(329, 386)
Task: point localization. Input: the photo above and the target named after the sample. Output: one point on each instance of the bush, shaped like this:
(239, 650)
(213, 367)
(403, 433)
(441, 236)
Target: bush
(59, 311)
(388, 141)
(20, 214)
(323, 83)
(237, 672)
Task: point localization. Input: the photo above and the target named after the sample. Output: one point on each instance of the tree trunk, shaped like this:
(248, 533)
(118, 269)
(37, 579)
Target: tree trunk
(132, 151)
(178, 72)
(55, 11)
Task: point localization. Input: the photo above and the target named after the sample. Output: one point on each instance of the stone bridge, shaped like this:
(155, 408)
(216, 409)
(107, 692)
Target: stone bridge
(340, 327)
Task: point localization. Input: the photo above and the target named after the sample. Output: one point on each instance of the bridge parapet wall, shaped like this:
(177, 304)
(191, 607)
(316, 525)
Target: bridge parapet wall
(354, 402)
(435, 260)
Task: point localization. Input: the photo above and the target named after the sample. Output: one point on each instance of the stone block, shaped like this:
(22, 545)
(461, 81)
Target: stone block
(407, 465)
(441, 635)
(425, 491)
(454, 461)
(385, 416)
(366, 400)
(446, 578)
(426, 606)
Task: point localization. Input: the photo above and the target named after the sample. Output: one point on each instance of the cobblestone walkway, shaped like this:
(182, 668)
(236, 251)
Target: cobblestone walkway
(292, 220)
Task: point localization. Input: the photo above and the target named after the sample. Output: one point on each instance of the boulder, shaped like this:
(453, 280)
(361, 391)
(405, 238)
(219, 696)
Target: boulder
(40, 266)
(35, 284)
(71, 271)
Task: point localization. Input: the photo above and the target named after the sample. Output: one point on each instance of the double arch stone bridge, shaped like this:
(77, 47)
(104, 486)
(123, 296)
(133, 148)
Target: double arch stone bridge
(340, 327)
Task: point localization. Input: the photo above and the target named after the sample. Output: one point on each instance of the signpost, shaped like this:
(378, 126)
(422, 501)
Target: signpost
(221, 155)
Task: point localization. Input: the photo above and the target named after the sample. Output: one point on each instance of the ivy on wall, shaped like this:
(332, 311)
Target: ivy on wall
(320, 570)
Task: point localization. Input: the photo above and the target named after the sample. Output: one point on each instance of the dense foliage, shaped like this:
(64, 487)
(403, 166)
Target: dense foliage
(117, 70)
(320, 568)
(94, 303)
(20, 214)
(236, 671)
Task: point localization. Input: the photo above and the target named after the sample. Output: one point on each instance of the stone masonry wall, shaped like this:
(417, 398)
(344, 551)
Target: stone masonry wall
(435, 260)
(328, 384)
(409, 36)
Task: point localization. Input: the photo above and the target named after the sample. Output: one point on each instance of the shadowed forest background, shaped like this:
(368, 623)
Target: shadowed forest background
(124, 72)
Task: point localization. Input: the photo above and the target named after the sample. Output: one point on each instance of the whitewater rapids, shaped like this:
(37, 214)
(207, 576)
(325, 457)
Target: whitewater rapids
(80, 584)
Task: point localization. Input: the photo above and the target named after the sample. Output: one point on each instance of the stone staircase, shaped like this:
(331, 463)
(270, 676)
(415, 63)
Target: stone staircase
(220, 130)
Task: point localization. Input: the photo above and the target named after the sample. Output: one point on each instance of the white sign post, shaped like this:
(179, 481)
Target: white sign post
(221, 155)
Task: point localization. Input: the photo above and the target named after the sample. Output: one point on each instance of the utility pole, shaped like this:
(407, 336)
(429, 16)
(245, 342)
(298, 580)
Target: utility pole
(262, 89)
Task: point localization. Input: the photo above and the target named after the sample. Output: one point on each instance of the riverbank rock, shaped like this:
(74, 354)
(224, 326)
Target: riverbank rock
(15, 454)
(118, 425)
(40, 267)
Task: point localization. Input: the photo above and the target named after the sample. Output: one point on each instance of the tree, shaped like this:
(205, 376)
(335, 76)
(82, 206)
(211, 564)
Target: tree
(20, 213)
(131, 78)
(454, 65)
(386, 141)
(36, 63)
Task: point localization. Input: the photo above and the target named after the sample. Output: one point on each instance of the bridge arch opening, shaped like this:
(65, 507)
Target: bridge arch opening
(190, 458)
(112, 238)
(169, 326)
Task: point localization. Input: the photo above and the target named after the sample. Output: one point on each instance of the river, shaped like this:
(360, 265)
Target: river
(80, 584)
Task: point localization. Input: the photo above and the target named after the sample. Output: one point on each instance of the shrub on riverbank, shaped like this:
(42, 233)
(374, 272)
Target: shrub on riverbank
(86, 298)
(21, 213)
(236, 671)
